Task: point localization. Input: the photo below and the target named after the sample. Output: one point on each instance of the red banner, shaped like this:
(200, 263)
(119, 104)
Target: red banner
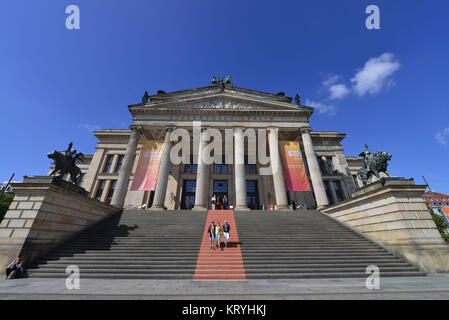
(147, 169)
(295, 175)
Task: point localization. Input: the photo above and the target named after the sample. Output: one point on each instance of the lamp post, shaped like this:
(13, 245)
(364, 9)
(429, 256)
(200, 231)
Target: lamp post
(6, 187)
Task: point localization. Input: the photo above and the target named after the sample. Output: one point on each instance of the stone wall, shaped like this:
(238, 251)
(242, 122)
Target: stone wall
(46, 212)
(392, 213)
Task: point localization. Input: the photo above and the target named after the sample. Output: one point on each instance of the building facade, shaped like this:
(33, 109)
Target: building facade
(233, 113)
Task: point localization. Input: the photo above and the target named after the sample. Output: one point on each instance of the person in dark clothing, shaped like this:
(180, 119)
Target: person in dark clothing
(225, 202)
(15, 269)
(226, 230)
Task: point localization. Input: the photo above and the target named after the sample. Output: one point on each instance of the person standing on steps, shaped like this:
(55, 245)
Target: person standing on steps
(213, 201)
(225, 202)
(226, 229)
(211, 232)
(217, 233)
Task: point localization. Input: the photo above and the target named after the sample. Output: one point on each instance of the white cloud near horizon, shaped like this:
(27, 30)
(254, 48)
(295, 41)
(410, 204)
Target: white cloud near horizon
(89, 127)
(375, 74)
(442, 136)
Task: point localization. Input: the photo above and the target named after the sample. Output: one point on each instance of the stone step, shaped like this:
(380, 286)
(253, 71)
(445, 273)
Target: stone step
(224, 269)
(269, 275)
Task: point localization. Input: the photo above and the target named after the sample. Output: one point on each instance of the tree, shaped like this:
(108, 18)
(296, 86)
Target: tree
(5, 201)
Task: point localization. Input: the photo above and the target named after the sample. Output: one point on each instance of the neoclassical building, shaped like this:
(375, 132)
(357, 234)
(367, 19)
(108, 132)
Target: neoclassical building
(134, 169)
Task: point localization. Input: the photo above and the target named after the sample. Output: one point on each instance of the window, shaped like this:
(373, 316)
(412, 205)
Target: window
(191, 168)
(111, 191)
(220, 187)
(100, 189)
(119, 163)
(330, 166)
(354, 179)
(329, 192)
(249, 168)
(221, 168)
(108, 164)
(339, 191)
(322, 166)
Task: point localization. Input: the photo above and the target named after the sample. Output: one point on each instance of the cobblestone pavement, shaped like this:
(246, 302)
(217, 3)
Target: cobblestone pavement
(429, 287)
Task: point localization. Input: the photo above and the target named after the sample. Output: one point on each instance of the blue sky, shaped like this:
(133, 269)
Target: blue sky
(387, 88)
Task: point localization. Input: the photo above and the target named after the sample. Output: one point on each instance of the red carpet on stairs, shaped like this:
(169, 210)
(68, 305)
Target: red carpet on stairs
(220, 264)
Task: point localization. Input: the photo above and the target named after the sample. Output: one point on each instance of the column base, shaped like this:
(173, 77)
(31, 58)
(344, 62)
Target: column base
(199, 208)
(156, 208)
(284, 207)
(242, 209)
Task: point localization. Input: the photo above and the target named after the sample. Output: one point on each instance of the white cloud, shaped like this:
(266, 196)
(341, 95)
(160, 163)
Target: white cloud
(441, 136)
(331, 80)
(322, 108)
(89, 127)
(375, 75)
(338, 91)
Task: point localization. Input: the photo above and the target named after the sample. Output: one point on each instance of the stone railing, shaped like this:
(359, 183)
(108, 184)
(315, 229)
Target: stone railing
(392, 213)
(46, 212)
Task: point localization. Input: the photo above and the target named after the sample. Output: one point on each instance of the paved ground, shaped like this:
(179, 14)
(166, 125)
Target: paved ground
(429, 287)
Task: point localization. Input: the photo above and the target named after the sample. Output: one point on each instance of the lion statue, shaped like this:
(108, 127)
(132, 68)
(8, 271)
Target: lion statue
(374, 163)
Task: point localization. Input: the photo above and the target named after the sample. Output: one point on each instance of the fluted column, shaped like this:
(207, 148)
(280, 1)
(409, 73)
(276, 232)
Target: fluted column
(162, 176)
(314, 170)
(276, 165)
(119, 195)
(202, 176)
(239, 169)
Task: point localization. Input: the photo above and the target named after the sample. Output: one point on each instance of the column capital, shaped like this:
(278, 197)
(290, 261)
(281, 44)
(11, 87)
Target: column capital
(305, 130)
(272, 128)
(169, 128)
(204, 128)
(238, 128)
(136, 129)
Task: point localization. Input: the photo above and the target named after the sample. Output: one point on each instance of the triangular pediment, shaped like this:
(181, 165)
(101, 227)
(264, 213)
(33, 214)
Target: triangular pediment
(223, 101)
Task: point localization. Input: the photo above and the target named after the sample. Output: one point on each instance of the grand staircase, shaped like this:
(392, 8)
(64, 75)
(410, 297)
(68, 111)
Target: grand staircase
(309, 244)
(131, 245)
(166, 245)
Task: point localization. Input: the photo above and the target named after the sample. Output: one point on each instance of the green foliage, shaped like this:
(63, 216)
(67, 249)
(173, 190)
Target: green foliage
(5, 201)
(439, 221)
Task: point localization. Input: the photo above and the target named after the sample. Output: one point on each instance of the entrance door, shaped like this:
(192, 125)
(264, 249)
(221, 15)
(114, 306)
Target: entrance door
(252, 195)
(188, 195)
(221, 190)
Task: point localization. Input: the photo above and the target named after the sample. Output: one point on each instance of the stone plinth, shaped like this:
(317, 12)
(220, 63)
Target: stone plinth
(392, 213)
(44, 213)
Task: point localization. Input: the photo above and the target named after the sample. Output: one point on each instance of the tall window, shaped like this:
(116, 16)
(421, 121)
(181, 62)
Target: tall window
(119, 163)
(354, 179)
(322, 166)
(339, 191)
(108, 164)
(328, 192)
(111, 191)
(100, 189)
(330, 165)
